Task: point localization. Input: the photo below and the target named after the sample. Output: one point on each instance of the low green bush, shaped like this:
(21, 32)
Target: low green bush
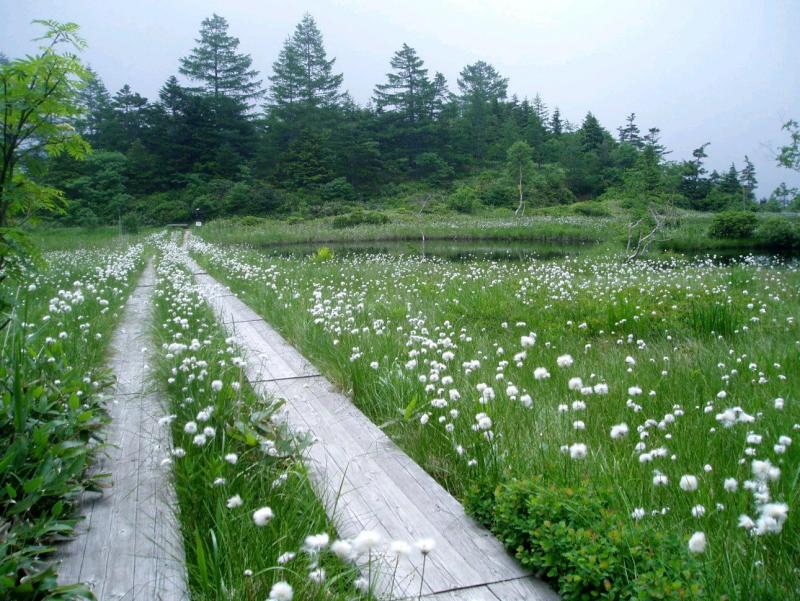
(359, 217)
(463, 200)
(338, 189)
(733, 224)
(571, 536)
(590, 209)
(250, 221)
(778, 233)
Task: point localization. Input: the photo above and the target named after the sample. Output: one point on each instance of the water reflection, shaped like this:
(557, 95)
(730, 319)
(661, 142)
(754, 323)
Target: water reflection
(453, 250)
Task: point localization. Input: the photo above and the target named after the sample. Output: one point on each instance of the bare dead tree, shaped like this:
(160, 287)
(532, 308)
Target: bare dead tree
(645, 237)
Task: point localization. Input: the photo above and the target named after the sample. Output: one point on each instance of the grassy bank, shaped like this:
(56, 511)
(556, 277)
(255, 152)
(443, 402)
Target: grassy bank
(555, 225)
(661, 394)
(53, 386)
(409, 226)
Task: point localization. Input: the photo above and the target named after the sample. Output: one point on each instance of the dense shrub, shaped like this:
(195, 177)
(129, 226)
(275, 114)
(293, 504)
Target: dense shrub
(590, 209)
(338, 189)
(498, 195)
(249, 221)
(463, 200)
(433, 169)
(733, 224)
(359, 217)
(85, 217)
(571, 536)
(164, 207)
(778, 233)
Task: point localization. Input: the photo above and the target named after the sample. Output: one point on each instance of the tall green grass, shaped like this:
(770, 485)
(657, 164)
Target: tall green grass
(702, 338)
(52, 384)
(227, 555)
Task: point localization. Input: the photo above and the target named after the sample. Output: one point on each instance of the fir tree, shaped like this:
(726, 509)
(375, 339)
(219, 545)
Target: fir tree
(630, 132)
(405, 88)
(556, 126)
(482, 88)
(216, 64)
(285, 81)
(653, 139)
(693, 185)
(592, 135)
(730, 181)
(540, 108)
(317, 85)
(748, 180)
(481, 83)
(437, 95)
(96, 104)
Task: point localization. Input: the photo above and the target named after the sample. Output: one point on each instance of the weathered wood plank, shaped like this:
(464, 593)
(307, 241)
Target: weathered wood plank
(367, 482)
(129, 546)
(479, 593)
(518, 590)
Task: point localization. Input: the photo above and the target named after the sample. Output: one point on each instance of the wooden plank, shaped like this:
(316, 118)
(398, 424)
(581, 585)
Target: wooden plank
(479, 593)
(130, 545)
(521, 590)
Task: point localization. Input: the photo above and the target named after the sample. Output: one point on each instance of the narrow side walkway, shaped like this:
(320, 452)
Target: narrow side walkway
(367, 482)
(129, 546)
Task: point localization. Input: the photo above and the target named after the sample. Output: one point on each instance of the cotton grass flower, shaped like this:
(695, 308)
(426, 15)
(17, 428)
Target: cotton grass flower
(697, 542)
(578, 451)
(541, 373)
(564, 361)
(234, 502)
(342, 549)
(316, 542)
(281, 591)
(688, 483)
(619, 431)
(575, 383)
(366, 541)
(425, 545)
(317, 576)
(261, 517)
(730, 484)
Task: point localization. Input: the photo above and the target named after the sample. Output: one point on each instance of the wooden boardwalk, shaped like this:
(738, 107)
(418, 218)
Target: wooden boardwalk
(367, 482)
(129, 546)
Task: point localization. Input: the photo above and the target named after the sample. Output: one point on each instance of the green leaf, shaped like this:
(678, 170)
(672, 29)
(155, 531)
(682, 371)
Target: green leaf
(409, 410)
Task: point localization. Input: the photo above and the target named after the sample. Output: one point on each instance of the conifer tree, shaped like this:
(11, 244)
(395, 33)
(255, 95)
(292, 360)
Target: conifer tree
(693, 185)
(318, 86)
(592, 135)
(653, 139)
(406, 87)
(437, 95)
(540, 108)
(630, 132)
(748, 181)
(730, 181)
(284, 89)
(482, 88)
(216, 63)
(556, 126)
(302, 77)
(481, 83)
(96, 104)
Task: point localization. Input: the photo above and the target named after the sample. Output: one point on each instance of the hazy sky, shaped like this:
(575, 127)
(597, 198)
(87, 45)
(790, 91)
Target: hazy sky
(725, 72)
